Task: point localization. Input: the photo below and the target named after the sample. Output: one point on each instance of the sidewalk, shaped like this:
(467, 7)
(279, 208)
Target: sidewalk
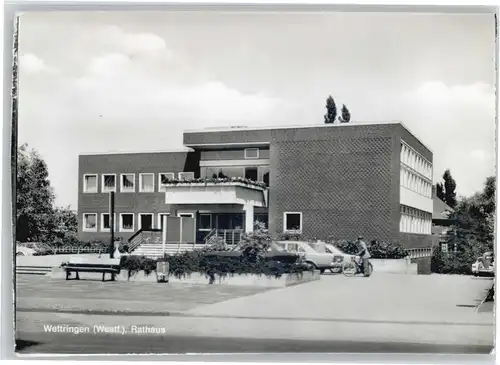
(382, 298)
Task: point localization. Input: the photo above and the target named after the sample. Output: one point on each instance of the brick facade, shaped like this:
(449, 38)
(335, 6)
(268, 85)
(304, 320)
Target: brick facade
(339, 178)
(344, 181)
(138, 202)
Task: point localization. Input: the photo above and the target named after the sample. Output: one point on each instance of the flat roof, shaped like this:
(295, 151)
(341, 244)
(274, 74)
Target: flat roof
(323, 125)
(289, 126)
(186, 149)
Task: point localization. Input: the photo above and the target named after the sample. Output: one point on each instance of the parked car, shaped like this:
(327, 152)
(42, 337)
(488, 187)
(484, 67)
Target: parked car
(274, 252)
(320, 260)
(484, 265)
(339, 257)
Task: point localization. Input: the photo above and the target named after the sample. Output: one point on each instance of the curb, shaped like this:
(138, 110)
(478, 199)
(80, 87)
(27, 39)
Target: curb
(99, 312)
(229, 317)
(484, 299)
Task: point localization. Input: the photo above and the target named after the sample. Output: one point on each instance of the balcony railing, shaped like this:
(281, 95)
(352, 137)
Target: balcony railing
(218, 181)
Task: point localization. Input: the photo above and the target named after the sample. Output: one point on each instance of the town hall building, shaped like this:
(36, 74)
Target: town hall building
(322, 181)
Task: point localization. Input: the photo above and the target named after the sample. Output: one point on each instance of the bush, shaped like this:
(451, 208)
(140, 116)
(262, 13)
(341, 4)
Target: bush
(216, 243)
(183, 264)
(384, 250)
(348, 247)
(133, 264)
(377, 249)
(459, 262)
(254, 245)
(218, 263)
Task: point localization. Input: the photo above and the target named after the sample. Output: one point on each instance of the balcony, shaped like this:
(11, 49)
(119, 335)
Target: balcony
(216, 191)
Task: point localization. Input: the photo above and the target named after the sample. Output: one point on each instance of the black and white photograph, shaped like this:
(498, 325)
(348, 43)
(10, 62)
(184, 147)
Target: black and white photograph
(254, 182)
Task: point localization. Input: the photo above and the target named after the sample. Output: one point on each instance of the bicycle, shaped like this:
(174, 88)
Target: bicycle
(353, 267)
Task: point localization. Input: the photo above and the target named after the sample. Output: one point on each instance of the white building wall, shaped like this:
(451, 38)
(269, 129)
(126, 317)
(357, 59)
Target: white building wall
(415, 192)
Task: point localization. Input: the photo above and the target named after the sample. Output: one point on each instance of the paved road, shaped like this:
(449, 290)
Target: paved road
(384, 313)
(90, 344)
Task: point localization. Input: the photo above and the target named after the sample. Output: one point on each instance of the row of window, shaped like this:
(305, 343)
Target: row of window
(92, 222)
(413, 220)
(414, 212)
(128, 183)
(415, 182)
(126, 221)
(415, 161)
(255, 173)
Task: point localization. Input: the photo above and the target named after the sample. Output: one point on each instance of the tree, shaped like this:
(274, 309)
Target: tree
(450, 197)
(37, 219)
(34, 196)
(331, 111)
(62, 227)
(346, 115)
(440, 191)
(472, 232)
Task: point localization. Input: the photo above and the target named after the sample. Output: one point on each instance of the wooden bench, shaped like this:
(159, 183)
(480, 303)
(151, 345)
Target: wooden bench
(92, 264)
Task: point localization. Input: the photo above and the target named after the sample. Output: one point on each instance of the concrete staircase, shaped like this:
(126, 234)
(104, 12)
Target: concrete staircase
(33, 270)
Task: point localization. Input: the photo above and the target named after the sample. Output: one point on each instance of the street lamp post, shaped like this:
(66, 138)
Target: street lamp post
(112, 223)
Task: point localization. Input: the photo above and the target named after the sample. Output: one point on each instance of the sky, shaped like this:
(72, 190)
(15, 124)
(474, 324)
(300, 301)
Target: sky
(133, 81)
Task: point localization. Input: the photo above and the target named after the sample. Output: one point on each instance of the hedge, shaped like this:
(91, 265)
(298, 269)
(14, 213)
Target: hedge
(378, 249)
(213, 264)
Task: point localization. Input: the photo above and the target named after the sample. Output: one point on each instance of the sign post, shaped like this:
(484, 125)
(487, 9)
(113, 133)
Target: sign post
(112, 223)
(180, 235)
(164, 234)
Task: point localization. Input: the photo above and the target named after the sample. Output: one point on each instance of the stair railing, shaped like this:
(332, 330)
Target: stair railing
(210, 235)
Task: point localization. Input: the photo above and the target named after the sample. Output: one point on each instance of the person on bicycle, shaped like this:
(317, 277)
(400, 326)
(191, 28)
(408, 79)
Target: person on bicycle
(364, 255)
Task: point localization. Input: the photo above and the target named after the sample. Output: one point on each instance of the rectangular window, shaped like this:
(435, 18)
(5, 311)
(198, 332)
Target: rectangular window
(126, 222)
(186, 176)
(228, 172)
(210, 172)
(205, 222)
(251, 173)
(146, 221)
(146, 183)
(444, 247)
(127, 183)
(251, 153)
(185, 215)
(90, 222)
(90, 183)
(105, 222)
(292, 222)
(163, 179)
(108, 183)
(262, 218)
(160, 219)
